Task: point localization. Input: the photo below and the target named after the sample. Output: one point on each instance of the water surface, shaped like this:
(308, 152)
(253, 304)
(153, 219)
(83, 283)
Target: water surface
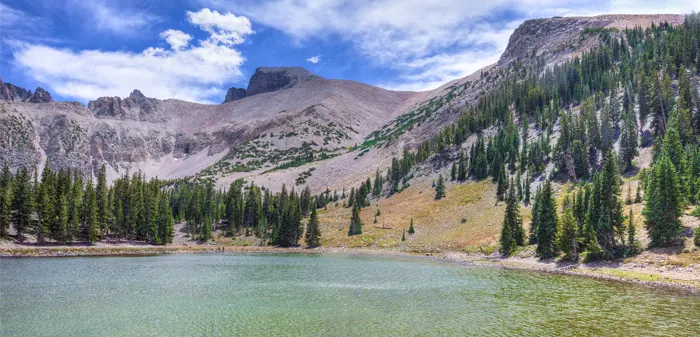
(321, 295)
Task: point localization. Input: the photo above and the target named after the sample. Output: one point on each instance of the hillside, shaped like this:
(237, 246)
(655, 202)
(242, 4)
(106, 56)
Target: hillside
(287, 117)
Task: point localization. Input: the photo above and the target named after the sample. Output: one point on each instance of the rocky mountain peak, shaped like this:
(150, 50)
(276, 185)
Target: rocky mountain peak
(11, 92)
(40, 96)
(137, 107)
(562, 35)
(234, 94)
(268, 79)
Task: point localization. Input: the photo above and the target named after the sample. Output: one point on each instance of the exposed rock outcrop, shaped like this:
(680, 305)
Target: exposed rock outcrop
(135, 107)
(234, 94)
(268, 79)
(565, 36)
(40, 96)
(11, 92)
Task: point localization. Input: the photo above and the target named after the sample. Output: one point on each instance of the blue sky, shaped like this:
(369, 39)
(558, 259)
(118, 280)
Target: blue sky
(196, 49)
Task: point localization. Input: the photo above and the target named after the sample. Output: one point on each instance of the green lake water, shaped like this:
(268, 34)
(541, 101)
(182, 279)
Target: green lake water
(321, 295)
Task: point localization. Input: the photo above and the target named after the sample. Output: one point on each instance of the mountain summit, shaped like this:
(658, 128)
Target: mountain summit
(268, 79)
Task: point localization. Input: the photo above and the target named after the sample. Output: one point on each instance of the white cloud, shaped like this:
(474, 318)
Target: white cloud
(314, 59)
(176, 39)
(114, 17)
(193, 72)
(226, 28)
(428, 42)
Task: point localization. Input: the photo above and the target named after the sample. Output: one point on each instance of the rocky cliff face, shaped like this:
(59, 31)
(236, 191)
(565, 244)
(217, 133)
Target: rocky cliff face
(566, 36)
(234, 94)
(40, 96)
(11, 92)
(135, 107)
(269, 79)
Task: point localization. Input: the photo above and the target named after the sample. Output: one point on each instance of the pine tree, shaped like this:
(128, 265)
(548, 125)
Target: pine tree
(696, 237)
(403, 235)
(440, 188)
(663, 204)
(628, 141)
(62, 218)
(355, 222)
(568, 242)
(512, 233)
(462, 169)
(165, 220)
(45, 223)
(453, 172)
(377, 189)
(23, 203)
(103, 213)
(411, 229)
(75, 207)
(547, 223)
(313, 231)
(6, 196)
(633, 246)
(638, 195)
(502, 183)
(526, 198)
(89, 214)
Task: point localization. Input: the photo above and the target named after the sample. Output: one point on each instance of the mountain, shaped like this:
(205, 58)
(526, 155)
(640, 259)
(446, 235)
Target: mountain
(287, 112)
(288, 127)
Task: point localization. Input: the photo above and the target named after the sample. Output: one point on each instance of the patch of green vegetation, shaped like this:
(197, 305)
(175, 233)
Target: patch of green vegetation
(301, 179)
(409, 120)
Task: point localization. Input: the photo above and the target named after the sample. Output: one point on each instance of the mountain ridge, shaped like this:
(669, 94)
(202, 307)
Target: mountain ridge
(286, 114)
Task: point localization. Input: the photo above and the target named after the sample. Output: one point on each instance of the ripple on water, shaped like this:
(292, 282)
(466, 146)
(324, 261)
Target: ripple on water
(292, 295)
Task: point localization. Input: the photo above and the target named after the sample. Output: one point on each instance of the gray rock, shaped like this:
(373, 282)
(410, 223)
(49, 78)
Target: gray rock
(40, 96)
(268, 79)
(135, 107)
(234, 94)
(11, 92)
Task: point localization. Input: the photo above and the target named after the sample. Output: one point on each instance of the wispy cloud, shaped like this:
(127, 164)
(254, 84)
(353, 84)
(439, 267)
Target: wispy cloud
(114, 16)
(314, 59)
(193, 72)
(427, 42)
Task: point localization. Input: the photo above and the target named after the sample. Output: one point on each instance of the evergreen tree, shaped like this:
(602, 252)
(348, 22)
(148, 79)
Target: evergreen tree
(23, 203)
(403, 235)
(638, 195)
(6, 196)
(102, 192)
(377, 190)
(440, 188)
(411, 229)
(512, 233)
(547, 223)
(313, 231)
(453, 172)
(75, 202)
(628, 141)
(462, 169)
(502, 183)
(89, 214)
(355, 222)
(526, 197)
(62, 218)
(568, 237)
(663, 204)
(633, 245)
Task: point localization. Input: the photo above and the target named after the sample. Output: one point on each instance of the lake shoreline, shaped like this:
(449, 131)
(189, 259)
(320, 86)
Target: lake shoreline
(603, 271)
